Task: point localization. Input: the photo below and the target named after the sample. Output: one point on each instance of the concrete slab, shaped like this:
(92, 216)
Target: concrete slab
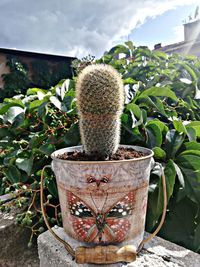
(13, 243)
(158, 253)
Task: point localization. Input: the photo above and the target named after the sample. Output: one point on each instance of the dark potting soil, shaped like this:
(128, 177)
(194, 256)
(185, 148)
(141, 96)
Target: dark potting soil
(121, 154)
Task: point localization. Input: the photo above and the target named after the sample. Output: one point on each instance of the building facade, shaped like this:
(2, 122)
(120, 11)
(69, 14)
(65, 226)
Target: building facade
(191, 43)
(42, 69)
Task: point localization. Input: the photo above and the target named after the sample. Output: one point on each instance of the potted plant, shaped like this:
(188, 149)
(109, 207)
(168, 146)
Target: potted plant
(103, 186)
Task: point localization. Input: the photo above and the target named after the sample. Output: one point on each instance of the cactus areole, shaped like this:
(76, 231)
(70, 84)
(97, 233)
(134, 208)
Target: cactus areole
(100, 101)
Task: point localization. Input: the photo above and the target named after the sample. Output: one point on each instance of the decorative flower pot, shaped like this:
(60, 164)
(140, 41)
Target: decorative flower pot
(103, 202)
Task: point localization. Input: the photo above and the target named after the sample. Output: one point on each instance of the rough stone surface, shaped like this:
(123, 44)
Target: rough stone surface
(13, 243)
(158, 253)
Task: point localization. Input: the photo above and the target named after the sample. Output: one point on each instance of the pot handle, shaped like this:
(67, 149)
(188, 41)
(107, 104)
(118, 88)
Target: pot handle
(66, 245)
(147, 239)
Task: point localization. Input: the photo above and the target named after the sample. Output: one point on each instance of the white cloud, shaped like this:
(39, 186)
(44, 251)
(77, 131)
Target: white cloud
(76, 27)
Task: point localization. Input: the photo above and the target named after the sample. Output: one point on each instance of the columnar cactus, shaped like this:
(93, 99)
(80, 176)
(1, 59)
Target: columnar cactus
(100, 100)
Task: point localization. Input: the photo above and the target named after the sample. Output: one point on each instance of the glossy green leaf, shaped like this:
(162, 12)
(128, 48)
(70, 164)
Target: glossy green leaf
(179, 127)
(191, 134)
(159, 153)
(196, 126)
(52, 187)
(54, 100)
(179, 175)
(173, 142)
(72, 137)
(4, 107)
(135, 109)
(155, 204)
(192, 145)
(170, 175)
(33, 91)
(197, 238)
(154, 135)
(190, 167)
(180, 224)
(13, 174)
(47, 149)
(159, 91)
(25, 164)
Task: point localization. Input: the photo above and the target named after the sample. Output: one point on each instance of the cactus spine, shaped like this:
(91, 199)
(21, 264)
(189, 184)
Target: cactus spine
(100, 101)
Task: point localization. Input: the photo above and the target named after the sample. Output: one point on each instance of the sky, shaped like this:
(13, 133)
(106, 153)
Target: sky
(82, 27)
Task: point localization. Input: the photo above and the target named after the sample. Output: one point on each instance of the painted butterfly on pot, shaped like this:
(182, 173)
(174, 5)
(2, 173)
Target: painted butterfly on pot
(99, 226)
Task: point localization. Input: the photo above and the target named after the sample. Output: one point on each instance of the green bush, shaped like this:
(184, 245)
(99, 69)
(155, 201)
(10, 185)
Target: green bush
(31, 128)
(162, 112)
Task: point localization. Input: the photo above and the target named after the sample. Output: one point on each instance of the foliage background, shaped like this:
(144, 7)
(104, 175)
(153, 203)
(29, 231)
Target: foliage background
(161, 113)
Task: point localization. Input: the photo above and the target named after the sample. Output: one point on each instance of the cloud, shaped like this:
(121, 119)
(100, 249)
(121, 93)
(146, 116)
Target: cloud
(75, 27)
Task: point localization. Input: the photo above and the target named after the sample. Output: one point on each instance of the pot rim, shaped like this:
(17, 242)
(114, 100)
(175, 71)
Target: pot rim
(79, 148)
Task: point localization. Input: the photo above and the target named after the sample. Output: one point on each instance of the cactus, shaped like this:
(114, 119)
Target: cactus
(100, 101)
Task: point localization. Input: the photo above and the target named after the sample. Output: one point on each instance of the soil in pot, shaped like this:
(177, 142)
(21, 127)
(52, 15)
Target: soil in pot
(121, 154)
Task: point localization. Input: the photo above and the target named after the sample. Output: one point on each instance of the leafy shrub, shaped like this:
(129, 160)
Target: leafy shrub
(31, 128)
(161, 113)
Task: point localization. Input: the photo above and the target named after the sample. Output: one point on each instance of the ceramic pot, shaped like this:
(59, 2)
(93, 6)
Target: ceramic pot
(103, 202)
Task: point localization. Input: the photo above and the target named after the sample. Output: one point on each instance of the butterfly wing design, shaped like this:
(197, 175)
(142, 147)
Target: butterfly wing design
(83, 218)
(117, 223)
(113, 225)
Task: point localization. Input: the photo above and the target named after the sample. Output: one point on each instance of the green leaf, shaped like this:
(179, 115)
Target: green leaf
(18, 120)
(119, 49)
(12, 113)
(130, 45)
(197, 238)
(4, 132)
(179, 174)
(192, 145)
(52, 188)
(42, 110)
(129, 81)
(190, 152)
(4, 107)
(36, 103)
(170, 175)
(34, 91)
(25, 164)
(179, 127)
(154, 135)
(162, 126)
(191, 134)
(47, 149)
(173, 142)
(135, 109)
(195, 125)
(189, 70)
(68, 101)
(160, 54)
(54, 100)
(155, 203)
(13, 174)
(159, 91)
(180, 224)
(159, 153)
(72, 137)
(190, 167)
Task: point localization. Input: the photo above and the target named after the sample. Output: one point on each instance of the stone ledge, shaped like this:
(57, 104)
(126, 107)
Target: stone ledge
(157, 253)
(13, 243)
